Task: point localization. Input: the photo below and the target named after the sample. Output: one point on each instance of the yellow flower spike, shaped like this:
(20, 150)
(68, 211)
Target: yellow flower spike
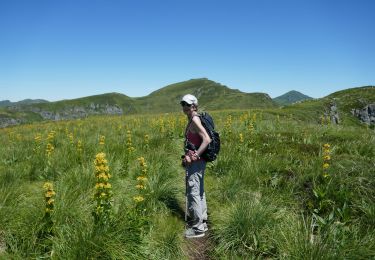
(326, 146)
(50, 194)
(255, 117)
(325, 165)
(102, 140)
(327, 157)
(138, 199)
(141, 178)
(102, 194)
(48, 186)
(241, 138)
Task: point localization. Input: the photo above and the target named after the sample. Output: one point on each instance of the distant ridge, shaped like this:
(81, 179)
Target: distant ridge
(291, 97)
(211, 96)
(346, 102)
(5, 103)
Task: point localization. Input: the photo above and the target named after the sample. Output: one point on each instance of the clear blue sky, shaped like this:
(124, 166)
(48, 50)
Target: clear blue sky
(68, 49)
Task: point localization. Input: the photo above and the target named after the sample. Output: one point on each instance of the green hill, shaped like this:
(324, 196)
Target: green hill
(345, 101)
(5, 103)
(211, 96)
(110, 99)
(290, 98)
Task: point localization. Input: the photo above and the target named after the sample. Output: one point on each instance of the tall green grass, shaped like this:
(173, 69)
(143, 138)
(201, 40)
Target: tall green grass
(267, 197)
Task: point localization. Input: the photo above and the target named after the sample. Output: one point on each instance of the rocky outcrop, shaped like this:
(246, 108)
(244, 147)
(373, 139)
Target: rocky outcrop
(332, 113)
(66, 113)
(366, 114)
(5, 122)
(80, 112)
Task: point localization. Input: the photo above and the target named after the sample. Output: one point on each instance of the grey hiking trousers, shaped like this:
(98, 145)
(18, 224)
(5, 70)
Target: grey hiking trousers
(196, 197)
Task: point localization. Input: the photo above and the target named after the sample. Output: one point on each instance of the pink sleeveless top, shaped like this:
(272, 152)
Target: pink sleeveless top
(194, 138)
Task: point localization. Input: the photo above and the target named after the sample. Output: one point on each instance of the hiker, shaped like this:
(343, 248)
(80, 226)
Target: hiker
(196, 143)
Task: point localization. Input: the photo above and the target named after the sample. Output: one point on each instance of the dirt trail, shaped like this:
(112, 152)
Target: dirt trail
(198, 248)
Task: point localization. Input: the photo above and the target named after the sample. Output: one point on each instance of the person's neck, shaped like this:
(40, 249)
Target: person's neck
(194, 113)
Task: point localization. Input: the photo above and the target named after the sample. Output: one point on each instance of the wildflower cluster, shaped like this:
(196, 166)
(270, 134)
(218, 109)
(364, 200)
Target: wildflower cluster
(228, 125)
(146, 142)
(79, 146)
(244, 117)
(181, 124)
(241, 138)
(171, 125)
(161, 125)
(49, 207)
(19, 137)
(103, 190)
(49, 150)
(49, 197)
(71, 138)
(141, 180)
(51, 136)
(38, 140)
(326, 159)
(50, 143)
(129, 143)
(101, 140)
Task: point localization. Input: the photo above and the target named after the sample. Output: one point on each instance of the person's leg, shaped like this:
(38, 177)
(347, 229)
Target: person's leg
(204, 211)
(195, 195)
(203, 199)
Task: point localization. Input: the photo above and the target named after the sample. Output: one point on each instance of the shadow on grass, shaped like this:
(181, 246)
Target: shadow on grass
(175, 208)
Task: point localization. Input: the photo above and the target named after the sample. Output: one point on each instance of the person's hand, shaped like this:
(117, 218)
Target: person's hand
(186, 160)
(189, 157)
(194, 156)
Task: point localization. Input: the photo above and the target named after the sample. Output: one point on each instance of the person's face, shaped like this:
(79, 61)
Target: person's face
(187, 108)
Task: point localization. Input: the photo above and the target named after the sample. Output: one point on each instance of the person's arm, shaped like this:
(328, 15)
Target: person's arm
(198, 128)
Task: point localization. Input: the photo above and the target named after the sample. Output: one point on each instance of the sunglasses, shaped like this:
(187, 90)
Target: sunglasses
(183, 103)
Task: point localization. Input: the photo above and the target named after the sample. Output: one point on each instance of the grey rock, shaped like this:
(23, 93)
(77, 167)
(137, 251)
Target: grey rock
(5, 122)
(366, 114)
(333, 113)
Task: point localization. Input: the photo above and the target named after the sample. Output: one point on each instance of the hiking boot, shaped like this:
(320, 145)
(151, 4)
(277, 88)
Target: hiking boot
(192, 233)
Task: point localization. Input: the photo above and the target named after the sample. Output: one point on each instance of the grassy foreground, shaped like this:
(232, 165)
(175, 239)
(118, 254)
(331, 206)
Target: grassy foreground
(281, 188)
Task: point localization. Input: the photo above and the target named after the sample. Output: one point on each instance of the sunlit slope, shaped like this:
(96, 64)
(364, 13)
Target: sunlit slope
(345, 100)
(211, 96)
(123, 101)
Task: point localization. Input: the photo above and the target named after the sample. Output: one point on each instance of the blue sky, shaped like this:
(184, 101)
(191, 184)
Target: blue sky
(68, 49)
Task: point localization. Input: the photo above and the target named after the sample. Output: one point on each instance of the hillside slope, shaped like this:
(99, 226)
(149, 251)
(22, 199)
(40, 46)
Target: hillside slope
(211, 96)
(291, 97)
(345, 102)
(5, 103)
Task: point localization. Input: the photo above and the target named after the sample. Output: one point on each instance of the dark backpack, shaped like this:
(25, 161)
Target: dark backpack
(213, 148)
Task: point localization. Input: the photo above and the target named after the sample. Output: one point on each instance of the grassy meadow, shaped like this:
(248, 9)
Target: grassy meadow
(113, 188)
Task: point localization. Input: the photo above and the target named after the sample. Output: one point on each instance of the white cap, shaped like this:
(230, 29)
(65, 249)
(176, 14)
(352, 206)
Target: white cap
(190, 99)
